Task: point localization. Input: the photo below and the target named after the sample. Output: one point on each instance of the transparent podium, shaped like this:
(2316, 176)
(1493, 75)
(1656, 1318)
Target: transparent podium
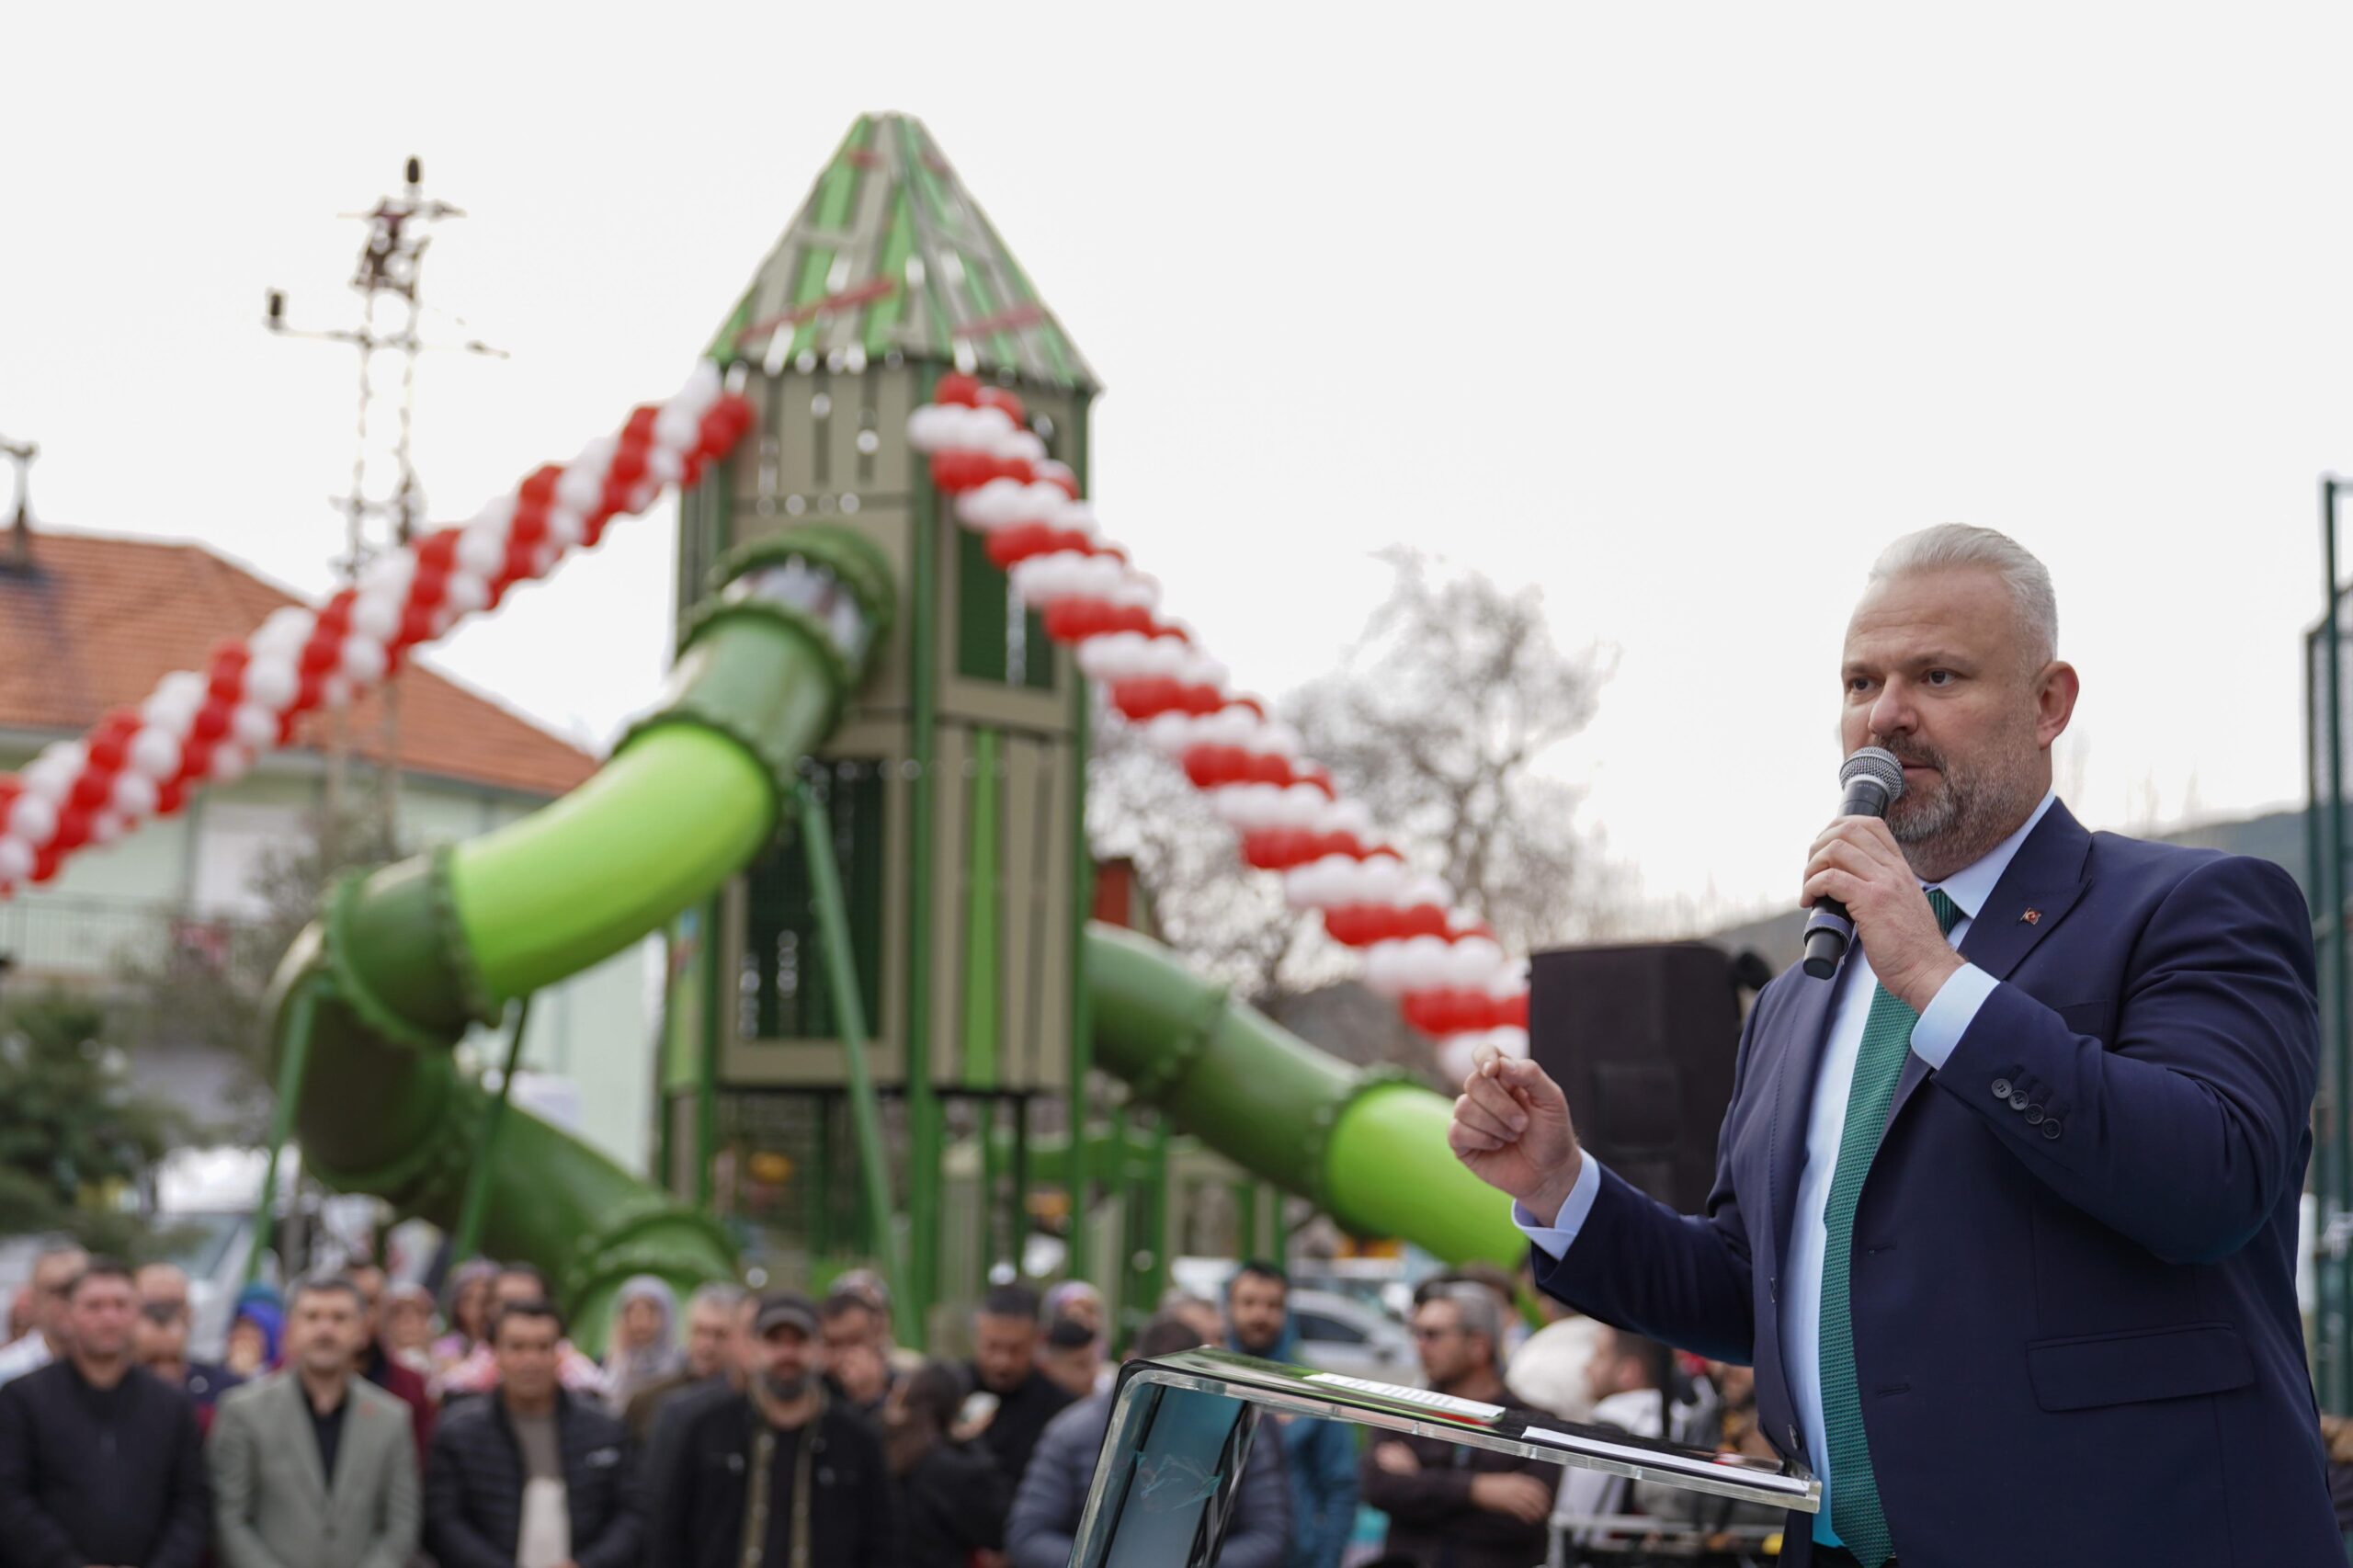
(1182, 1425)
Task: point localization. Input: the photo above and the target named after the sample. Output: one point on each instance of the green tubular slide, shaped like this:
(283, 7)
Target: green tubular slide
(1368, 1147)
(404, 959)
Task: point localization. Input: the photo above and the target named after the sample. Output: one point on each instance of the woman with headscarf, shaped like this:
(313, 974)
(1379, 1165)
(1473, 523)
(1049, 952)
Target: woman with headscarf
(468, 1315)
(645, 1339)
(256, 1329)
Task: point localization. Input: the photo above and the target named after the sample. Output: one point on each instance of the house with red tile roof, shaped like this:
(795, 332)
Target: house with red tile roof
(90, 622)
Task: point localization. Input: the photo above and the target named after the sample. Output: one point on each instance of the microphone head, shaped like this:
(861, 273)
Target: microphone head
(1878, 765)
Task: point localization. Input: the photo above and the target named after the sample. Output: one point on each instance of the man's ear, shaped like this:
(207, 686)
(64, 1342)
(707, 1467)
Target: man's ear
(2055, 690)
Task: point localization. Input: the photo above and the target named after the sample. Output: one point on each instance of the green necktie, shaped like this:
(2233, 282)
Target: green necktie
(1853, 1490)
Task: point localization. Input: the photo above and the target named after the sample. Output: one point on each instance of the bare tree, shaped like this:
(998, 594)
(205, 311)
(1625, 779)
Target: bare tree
(1440, 718)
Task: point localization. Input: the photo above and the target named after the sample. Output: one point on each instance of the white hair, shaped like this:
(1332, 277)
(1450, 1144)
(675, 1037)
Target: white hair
(1960, 544)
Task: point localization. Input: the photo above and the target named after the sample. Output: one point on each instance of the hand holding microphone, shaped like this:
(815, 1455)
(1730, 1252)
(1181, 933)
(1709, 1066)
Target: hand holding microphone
(1858, 885)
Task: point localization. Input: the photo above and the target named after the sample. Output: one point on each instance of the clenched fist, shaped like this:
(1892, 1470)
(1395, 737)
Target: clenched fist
(1511, 1127)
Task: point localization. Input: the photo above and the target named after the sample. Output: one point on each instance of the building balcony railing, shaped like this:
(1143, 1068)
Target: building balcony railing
(81, 939)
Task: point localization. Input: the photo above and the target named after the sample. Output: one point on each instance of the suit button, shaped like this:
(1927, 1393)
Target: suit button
(2001, 1088)
(2018, 1100)
(2034, 1116)
(2050, 1130)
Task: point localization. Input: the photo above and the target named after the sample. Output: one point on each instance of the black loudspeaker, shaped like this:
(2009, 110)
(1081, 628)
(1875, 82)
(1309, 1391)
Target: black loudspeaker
(1641, 1040)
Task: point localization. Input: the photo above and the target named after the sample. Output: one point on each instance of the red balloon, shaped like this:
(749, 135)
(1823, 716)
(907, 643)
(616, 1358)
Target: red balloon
(1146, 697)
(92, 790)
(539, 490)
(227, 684)
(1066, 482)
(628, 464)
(322, 653)
(107, 748)
(957, 388)
(170, 797)
(72, 828)
(45, 861)
(439, 550)
(1513, 1012)
(999, 397)
(958, 472)
(311, 691)
(1269, 768)
(638, 428)
(530, 525)
(417, 625)
(212, 720)
(117, 724)
(1015, 468)
(1422, 920)
(521, 557)
(336, 615)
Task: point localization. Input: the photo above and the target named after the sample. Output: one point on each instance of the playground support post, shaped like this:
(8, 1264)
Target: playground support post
(468, 1235)
(2334, 1178)
(924, 1134)
(849, 1010)
(301, 1011)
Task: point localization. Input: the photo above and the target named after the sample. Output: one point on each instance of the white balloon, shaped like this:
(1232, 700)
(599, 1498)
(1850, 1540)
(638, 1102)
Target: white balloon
(363, 659)
(254, 726)
(677, 428)
(388, 576)
(106, 827)
(1457, 1054)
(153, 752)
(51, 773)
(33, 819)
(377, 613)
(1471, 963)
(336, 690)
(466, 593)
(229, 763)
(582, 486)
(481, 551)
(273, 682)
(134, 794)
(566, 527)
(186, 685)
(288, 626)
(16, 860)
(664, 465)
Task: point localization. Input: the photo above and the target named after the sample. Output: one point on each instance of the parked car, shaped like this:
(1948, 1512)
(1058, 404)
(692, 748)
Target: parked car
(1338, 1333)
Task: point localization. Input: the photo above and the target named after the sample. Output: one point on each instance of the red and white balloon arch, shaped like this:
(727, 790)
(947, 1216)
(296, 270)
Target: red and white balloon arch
(207, 726)
(1442, 963)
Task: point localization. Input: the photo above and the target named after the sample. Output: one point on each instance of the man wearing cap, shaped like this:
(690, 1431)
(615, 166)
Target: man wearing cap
(778, 1476)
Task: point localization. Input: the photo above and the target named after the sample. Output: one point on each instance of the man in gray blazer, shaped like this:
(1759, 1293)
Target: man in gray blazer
(314, 1467)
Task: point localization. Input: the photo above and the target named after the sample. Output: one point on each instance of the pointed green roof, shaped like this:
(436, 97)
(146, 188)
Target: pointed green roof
(891, 252)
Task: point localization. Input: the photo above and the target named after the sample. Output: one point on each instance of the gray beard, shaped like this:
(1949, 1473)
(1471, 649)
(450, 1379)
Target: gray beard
(784, 1390)
(1974, 811)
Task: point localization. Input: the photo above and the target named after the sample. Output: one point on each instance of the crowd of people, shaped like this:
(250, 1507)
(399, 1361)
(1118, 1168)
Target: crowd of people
(345, 1429)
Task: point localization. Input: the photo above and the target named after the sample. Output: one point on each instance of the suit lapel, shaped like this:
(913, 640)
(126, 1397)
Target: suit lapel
(2042, 882)
(1803, 1035)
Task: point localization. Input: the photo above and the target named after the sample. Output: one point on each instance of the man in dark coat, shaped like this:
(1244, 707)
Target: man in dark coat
(778, 1469)
(1006, 1335)
(533, 1474)
(953, 1495)
(1448, 1502)
(99, 1460)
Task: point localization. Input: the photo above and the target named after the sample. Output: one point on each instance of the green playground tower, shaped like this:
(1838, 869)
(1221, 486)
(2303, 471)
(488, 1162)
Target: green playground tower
(953, 792)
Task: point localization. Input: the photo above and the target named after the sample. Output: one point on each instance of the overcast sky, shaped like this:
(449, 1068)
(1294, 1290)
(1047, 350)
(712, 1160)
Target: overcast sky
(1679, 311)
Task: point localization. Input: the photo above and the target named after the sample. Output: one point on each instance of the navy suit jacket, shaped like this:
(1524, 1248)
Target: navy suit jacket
(2073, 1277)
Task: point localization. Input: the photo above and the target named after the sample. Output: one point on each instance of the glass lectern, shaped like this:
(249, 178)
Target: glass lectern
(1182, 1425)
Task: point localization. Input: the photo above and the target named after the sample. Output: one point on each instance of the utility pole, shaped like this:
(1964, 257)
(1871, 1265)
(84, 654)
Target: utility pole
(385, 503)
(20, 529)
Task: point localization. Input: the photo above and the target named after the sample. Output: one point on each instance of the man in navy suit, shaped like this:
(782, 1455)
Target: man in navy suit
(2004, 1212)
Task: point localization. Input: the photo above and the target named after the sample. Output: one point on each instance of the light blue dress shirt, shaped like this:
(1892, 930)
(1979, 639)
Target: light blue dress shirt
(1948, 1018)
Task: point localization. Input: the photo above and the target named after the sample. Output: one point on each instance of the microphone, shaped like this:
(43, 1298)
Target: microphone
(1874, 782)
